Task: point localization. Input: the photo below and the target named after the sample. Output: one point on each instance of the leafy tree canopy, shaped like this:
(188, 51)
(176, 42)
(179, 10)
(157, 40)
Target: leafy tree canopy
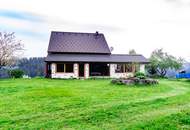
(161, 61)
(132, 52)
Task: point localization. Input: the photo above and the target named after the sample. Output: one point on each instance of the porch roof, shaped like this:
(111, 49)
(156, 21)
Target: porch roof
(113, 58)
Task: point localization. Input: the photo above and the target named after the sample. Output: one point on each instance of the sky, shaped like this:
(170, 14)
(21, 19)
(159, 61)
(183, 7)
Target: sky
(143, 25)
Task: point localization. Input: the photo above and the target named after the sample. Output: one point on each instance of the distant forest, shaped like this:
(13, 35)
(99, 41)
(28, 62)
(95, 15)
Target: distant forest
(32, 67)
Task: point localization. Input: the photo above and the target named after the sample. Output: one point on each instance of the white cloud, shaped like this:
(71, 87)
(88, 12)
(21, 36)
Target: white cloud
(34, 27)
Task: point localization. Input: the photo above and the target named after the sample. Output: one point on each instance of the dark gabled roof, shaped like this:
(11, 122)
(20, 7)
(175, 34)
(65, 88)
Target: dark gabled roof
(113, 58)
(72, 42)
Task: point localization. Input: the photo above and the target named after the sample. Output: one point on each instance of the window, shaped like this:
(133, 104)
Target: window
(68, 68)
(120, 68)
(60, 67)
(65, 68)
(129, 68)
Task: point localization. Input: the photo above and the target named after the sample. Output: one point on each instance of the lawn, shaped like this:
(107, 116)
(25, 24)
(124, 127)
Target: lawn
(93, 104)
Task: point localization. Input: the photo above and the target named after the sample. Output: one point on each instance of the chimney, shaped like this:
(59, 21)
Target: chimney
(97, 33)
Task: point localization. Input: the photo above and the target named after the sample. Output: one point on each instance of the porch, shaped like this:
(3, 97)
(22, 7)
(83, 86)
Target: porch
(86, 70)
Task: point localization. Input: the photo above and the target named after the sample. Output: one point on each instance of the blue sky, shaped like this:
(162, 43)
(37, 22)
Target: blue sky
(20, 15)
(141, 25)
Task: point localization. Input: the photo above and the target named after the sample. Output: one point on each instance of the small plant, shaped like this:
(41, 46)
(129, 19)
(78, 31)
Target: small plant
(140, 75)
(16, 73)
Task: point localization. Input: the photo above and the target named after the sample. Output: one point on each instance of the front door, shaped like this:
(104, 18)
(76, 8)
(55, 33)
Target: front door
(81, 70)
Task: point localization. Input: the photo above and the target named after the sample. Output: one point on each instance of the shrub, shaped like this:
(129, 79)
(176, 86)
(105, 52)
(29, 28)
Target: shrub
(16, 73)
(140, 75)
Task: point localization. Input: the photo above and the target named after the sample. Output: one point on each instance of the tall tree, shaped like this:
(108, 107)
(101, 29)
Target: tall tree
(132, 52)
(135, 66)
(161, 61)
(33, 66)
(10, 48)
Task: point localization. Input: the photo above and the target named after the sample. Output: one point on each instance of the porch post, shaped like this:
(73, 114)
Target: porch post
(86, 71)
(53, 68)
(76, 70)
(112, 70)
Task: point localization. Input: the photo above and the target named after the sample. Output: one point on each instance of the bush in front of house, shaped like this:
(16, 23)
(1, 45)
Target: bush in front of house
(140, 75)
(16, 73)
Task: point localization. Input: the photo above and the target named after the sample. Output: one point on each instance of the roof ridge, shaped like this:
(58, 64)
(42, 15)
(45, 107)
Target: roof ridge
(75, 32)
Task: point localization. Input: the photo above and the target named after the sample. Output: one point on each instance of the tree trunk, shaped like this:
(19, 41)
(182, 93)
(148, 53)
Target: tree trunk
(162, 72)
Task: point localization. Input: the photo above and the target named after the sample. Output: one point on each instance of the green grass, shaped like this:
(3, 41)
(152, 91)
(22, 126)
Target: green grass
(93, 104)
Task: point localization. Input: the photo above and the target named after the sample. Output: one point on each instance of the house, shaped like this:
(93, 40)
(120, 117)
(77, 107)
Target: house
(84, 55)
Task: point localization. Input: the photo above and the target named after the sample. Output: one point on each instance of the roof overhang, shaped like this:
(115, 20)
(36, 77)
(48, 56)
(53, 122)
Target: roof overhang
(113, 58)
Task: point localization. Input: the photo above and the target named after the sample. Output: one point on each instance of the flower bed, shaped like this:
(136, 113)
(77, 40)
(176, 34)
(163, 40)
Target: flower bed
(135, 81)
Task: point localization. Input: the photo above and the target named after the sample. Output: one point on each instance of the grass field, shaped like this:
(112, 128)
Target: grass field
(93, 104)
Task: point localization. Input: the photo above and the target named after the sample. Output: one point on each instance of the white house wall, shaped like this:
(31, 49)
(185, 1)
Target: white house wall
(54, 74)
(142, 68)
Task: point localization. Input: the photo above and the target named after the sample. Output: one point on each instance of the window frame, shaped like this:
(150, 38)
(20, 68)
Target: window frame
(64, 68)
(124, 68)
(131, 65)
(57, 67)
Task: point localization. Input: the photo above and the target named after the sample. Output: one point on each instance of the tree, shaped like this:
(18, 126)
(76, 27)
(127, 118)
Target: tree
(33, 66)
(132, 52)
(10, 48)
(111, 48)
(134, 65)
(160, 62)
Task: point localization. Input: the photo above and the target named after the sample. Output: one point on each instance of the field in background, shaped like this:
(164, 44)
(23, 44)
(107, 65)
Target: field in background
(93, 104)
